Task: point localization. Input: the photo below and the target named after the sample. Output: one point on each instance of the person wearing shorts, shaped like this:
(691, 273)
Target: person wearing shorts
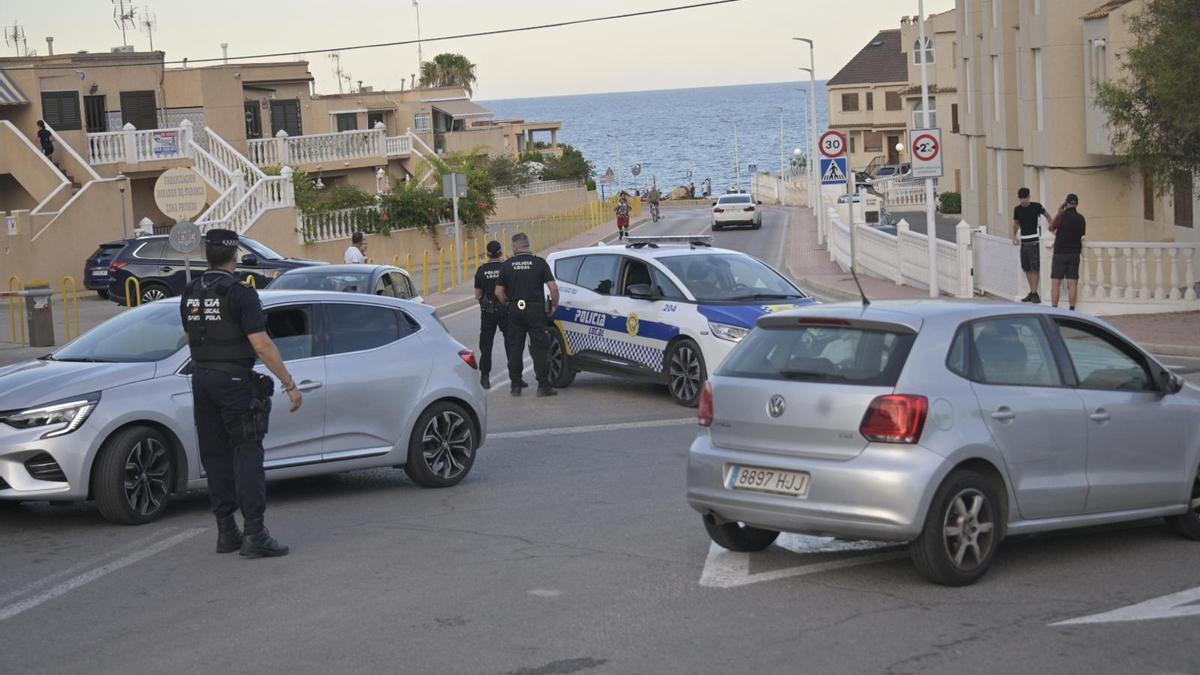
(1070, 227)
(1027, 235)
(623, 209)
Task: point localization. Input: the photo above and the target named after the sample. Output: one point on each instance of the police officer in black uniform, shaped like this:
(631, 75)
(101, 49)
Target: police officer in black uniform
(493, 314)
(520, 286)
(226, 331)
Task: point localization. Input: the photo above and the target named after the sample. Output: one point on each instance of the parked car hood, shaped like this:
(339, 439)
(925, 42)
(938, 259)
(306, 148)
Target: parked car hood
(31, 383)
(745, 315)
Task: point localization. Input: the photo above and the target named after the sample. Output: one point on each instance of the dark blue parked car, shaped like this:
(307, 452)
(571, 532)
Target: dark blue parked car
(95, 270)
(160, 269)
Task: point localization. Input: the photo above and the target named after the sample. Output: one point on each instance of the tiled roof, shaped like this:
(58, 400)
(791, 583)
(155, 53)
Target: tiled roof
(1105, 9)
(882, 60)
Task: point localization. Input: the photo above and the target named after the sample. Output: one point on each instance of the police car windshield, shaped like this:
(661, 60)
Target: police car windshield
(730, 277)
(147, 333)
(348, 282)
(261, 251)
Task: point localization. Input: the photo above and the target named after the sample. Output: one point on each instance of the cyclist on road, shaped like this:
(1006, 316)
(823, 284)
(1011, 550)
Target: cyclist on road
(653, 197)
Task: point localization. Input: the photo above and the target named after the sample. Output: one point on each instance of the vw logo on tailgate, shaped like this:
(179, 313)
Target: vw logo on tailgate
(776, 406)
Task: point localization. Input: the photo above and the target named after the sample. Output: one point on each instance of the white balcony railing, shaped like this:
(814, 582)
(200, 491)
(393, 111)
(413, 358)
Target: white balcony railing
(271, 192)
(342, 146)
(333, 225)
(905, 194)
(133, 146)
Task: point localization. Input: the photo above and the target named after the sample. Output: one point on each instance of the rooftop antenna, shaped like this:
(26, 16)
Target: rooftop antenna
(149, 24)
(336, 57)
(123, 17)
(14, 36)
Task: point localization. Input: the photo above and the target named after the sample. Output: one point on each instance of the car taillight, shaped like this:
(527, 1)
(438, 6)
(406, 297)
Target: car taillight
(896, 418)
(118, 266)
(718, 210)
(706, 406)
(468, 357)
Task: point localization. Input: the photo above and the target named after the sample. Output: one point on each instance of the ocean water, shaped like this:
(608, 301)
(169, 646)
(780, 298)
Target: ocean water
(672, 132)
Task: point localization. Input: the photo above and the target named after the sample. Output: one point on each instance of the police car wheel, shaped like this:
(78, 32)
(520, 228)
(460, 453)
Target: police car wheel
(103, 293)
(442, 448)
(152, 292)
(132, 477)
(738, 537)
(686, 373)
(561, 374)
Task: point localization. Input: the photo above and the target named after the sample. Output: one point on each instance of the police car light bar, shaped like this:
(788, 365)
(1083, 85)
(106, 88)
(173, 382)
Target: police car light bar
(692, 240)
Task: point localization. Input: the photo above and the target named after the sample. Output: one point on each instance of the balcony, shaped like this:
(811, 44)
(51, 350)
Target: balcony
(143, 148)
(355, 148)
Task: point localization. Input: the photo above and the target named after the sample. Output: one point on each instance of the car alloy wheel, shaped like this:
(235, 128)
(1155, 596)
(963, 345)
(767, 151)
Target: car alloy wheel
(685, 373)
(447, 444)
(146, 468)
(153, 293)
(561, 374)
(1187, 525)
(969, 529)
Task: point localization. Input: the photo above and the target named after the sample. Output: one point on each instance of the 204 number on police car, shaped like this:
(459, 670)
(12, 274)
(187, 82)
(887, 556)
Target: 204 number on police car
(759, 479)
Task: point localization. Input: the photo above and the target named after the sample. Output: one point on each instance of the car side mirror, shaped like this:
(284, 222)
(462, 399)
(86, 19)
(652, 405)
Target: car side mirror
(759, 203)
(1169, 383)
(640, 292)
(250, 260)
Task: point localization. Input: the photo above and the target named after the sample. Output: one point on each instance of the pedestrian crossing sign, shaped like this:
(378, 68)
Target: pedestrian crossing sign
(833, 171)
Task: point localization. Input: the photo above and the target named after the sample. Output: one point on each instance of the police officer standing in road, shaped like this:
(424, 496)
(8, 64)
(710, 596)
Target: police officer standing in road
(493, 314)
(520, 287)
(226, 331)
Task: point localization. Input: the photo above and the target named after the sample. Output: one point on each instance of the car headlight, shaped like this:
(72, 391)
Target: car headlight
(67, 414)
(727, 331)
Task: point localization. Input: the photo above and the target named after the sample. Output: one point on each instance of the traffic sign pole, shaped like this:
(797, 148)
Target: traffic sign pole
(930, 209)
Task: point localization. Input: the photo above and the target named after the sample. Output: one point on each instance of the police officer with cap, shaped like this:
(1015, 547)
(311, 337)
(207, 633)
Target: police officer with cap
(226, 332)
(520, 286)
(492, 314)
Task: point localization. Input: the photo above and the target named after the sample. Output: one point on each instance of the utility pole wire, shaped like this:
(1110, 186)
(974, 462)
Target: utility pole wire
(401, 43)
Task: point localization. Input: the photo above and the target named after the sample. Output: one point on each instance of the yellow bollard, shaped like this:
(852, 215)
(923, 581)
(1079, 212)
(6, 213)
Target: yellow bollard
(136, 284)
(70, 295)
(425, 273)
(454, 271)
(504, 242)
(16, 313)
(441, 269)
(396, 260)
(477, 263)
(250, 281)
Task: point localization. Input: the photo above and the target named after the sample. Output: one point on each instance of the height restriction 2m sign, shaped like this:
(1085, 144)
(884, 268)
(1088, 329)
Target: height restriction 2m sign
(926, 151)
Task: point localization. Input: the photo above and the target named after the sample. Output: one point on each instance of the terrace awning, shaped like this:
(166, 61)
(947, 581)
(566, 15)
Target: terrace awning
(461, 108)
(9, 94)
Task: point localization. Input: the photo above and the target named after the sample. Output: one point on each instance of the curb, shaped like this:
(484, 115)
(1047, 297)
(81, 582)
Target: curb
(1191, 351)
(828, 291)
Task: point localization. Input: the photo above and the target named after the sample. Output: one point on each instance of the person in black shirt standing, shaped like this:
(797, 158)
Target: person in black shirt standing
(1070, 228)
(226, 332)
(520, 286)
(1026, 234)
(45, 138)
(492, 314)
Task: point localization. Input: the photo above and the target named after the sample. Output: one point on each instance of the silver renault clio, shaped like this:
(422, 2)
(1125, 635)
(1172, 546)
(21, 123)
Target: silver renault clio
(944, 424)
(109, 416)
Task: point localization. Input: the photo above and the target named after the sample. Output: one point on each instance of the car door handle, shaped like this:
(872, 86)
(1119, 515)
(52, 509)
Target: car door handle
(1101, 415)
(165, 268)
(1004, 414)
(308, 385)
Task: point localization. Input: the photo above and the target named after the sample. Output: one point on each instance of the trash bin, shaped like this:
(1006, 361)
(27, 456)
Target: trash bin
(39, 314)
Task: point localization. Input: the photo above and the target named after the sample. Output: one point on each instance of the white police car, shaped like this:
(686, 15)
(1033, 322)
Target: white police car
(668, 309)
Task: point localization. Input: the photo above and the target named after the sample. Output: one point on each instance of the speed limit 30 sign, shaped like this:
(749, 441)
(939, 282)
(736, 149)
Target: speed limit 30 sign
(926, 150)
(832, 144)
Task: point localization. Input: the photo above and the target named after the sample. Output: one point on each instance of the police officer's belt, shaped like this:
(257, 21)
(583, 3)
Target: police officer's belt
(229, 368)
(522, 304)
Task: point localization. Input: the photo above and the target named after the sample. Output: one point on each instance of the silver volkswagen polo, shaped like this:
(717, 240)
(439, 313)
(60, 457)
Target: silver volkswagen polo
(944, 424)
(109, 416)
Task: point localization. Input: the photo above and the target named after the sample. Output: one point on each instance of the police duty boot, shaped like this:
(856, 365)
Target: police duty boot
(258, 543)
(229, 537)
(514, 389)
(546, 390)
(485, 381)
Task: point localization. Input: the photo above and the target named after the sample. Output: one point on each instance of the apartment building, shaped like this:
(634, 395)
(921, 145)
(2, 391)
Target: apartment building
(866, 102)
(1027, 80)
(940, 50)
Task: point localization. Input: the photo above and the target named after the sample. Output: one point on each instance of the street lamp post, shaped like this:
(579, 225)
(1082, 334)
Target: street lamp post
(620, 168)
(930, 210)
(737, 154)
(816, 199)
(781, 159)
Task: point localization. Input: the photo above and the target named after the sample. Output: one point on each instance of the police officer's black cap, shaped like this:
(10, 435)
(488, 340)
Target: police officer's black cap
(494, 248)
(227, 238)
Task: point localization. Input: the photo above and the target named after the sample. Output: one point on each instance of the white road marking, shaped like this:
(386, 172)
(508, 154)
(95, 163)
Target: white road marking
(1173, 606)
(80, 566)
(544, 593)
(727, 569)
(498, 385)
(69, 585)
(620, 426)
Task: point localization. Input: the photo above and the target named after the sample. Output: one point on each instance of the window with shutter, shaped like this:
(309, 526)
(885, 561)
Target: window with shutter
(870, 101)
(849, 102)
(954, 117)
(60, 110)
(138, 109)
(1183, 200)
(1148, 198)
(285, 115)
(347, 121)
(891, 100)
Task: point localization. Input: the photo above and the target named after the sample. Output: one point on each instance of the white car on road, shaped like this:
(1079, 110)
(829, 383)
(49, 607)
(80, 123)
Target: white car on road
(735, 209)
(659, 311)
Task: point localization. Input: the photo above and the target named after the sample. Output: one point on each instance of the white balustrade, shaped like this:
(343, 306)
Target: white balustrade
(231, 159)
(333, 225)
(905, 195)
(539, 187)
(133, 146)
(399, 146)
(263, 151)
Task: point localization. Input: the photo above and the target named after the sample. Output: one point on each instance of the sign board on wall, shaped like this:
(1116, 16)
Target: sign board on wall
(180, 194)
(165, 143)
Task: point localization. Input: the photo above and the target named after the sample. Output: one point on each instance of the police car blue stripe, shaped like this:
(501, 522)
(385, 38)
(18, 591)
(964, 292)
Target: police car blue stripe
(745, 315)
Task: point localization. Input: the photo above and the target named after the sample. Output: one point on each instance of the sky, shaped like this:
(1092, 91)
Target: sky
(743, 42)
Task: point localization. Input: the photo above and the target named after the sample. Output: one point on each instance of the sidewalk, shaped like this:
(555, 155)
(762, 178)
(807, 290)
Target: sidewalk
(1176, 334)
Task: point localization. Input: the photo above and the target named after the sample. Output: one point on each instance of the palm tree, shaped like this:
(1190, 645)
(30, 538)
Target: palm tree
(449, 70)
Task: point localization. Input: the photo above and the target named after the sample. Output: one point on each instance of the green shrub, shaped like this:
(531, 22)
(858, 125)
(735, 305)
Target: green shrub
(951, 202)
